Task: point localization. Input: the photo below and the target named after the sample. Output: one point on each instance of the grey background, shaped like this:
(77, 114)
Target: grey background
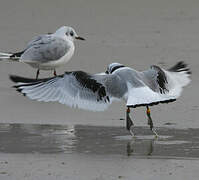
(134, 33)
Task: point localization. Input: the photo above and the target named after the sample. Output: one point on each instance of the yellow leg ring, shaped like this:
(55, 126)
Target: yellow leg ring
(148, 111)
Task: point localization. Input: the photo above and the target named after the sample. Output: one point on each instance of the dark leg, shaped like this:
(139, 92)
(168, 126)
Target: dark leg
(129, 122)
(55, 74)
(150, 122)
(37, 75)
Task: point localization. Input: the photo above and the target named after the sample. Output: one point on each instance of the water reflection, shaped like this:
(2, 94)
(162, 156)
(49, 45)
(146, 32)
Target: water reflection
(95, 140)
(137, 148)
(23, 138)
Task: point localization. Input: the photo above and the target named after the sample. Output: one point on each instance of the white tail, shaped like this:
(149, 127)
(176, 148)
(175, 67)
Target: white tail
(7, 56)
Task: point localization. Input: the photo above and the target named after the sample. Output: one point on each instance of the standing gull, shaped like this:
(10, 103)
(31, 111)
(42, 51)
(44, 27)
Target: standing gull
(48, 51)
(95, 92)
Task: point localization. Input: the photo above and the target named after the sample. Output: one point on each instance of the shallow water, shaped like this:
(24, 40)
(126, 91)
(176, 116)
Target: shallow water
(98, 140)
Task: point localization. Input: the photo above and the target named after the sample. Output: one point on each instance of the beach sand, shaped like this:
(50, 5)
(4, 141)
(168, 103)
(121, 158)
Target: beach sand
(136, 33)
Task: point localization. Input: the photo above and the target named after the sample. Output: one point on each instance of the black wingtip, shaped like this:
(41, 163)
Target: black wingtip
(18, 79)
(17, 55)
(180, 66)
(19, 90)
(13, 78)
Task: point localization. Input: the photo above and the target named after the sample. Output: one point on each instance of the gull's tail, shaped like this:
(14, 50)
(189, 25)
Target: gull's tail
(5, 56)
(10, 56)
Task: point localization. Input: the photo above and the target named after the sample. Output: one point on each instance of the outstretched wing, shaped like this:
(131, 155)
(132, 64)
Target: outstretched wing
(45, 48)
(75, 89)
(159, 85)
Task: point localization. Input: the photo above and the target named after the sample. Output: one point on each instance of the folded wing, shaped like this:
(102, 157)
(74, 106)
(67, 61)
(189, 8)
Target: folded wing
(45, 48)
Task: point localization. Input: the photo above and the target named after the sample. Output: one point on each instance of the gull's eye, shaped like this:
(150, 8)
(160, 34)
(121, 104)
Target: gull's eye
(72, 33)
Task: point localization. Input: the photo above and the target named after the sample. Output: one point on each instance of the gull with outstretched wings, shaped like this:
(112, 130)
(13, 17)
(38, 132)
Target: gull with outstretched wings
(97, 91)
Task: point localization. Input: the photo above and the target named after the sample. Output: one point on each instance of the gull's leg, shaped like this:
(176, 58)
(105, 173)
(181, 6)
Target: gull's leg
(150, 122)
(129, 122)
(37, 75)
(55, 74)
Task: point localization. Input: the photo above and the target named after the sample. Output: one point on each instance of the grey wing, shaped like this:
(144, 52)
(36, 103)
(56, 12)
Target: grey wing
(115, 85)
(36, 40)
(75, 89)
(45, 48)
(154, 88)
(155, 78)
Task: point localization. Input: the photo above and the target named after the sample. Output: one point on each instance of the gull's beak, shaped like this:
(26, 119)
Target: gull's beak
(80, 38)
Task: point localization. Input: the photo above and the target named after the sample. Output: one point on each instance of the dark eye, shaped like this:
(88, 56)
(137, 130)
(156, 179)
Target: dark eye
(72, 33)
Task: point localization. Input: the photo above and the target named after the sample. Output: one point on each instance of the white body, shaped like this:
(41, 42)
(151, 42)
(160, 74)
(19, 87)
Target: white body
(48, 51)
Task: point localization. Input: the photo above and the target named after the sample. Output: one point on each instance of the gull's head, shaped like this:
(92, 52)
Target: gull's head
(112, 67)
(68, 32)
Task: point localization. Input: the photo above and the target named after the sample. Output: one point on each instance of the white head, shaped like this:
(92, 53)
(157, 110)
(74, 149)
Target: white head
(68, 32)
(112, 67)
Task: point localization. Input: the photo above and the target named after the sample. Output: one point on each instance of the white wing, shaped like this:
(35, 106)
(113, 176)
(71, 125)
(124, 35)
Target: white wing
(145, 96)
(159, 85)
(75, 89)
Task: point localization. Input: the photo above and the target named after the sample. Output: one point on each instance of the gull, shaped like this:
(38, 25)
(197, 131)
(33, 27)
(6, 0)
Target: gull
(47, 51)
(97, 91)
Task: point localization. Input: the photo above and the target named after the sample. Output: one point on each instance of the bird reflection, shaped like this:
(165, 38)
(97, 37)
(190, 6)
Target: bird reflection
(139, 147)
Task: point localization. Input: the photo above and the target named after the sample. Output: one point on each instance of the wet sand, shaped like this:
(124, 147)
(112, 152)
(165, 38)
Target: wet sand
(66, 167)
(30, 151)
(136, 33)
(99, 141)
